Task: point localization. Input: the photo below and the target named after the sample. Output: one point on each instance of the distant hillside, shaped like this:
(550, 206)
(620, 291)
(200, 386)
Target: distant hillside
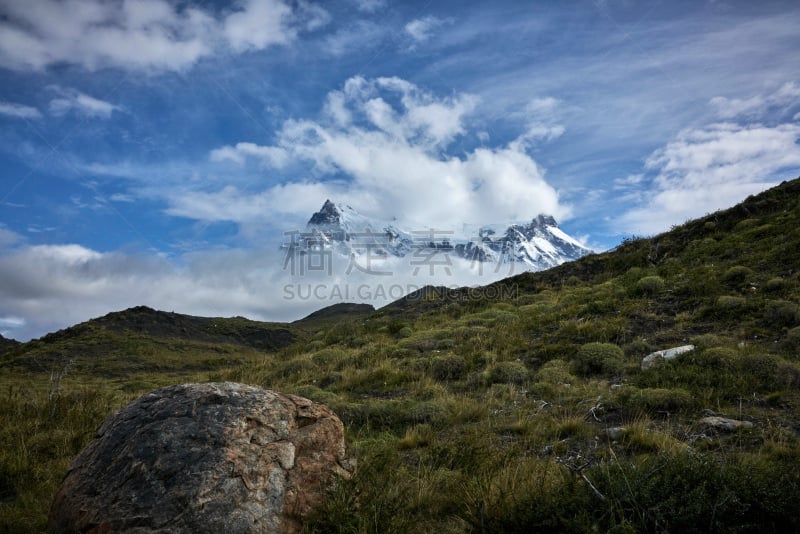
(339, 311)
(143, 340)
(236, 330)
(7, 345)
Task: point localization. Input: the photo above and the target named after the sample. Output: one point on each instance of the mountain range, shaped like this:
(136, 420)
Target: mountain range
(536, 245)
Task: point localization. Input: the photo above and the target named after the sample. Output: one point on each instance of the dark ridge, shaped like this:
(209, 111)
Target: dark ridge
(7, 345)
(159, 324)
(341, 309)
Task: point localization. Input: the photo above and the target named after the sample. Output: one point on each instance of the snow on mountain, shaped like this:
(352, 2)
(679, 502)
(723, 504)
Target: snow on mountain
(536, 245)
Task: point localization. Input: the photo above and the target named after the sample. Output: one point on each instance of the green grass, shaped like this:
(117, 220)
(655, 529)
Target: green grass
(472, 414)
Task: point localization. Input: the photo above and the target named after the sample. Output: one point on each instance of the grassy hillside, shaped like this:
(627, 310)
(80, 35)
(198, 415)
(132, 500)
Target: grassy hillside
(519, 407)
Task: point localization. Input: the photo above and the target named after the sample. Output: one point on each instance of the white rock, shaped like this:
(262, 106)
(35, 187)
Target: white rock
(655, 358)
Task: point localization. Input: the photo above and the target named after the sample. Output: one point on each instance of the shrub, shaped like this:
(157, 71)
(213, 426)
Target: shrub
(650, 285)
(759, 369)
(714, 359)
(448, 367)
(737, 276)
(727, 304)
(782, 313)
(404, 332)
(598, 359)
(655, 400)
(775, 285)
(638, 348)
(395, 327)
(507, 373)
(554, 372)
(792, 341)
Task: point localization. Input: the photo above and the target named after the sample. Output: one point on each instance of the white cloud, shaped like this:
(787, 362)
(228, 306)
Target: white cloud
(629, 181)
(421, 29)
(234, 204)
(19, 111)
(257, 26)
(728, 108)
(370, 6)
(270, 156)
(142, 34)
(359, 35)
(541, 117)
(73, 100)
(8, 238)
(389, 139)
(712, 168)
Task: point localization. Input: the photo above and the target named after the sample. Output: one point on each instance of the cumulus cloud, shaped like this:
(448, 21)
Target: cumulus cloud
(389, 138)
(142, 34)
(72, 100)
(19, 111)
(711, 168)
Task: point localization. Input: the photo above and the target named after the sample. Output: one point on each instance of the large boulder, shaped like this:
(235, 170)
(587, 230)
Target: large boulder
(215, 457)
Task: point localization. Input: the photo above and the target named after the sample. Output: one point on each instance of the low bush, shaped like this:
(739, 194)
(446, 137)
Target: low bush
(507, 373)
(598, 359)
(655, 400)
(782, 313)
(650, 286)
(737, 276)
(448, 367)
(554, 372)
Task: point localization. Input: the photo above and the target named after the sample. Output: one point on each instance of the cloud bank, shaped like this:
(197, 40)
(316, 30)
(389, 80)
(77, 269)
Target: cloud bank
(143, 35)
(48, 287)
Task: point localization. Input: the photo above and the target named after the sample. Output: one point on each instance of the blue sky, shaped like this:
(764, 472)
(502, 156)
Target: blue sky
(154, 152)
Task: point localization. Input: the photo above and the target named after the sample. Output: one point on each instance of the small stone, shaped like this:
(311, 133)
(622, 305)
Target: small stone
(723, 423)
(615, 433)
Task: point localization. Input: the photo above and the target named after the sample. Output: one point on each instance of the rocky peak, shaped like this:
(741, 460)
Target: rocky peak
(329, 215)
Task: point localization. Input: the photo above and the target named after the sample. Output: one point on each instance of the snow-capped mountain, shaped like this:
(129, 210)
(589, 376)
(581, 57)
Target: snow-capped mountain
(537, 245)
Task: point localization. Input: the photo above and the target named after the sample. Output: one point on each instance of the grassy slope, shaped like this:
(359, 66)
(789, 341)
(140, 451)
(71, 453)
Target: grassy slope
(488, 411)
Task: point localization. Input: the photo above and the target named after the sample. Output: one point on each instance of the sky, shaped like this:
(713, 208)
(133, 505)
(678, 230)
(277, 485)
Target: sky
(157, 152)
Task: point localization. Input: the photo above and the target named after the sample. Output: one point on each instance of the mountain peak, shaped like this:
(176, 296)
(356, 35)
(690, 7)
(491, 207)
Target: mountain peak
(545, 220)
(329, 214)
